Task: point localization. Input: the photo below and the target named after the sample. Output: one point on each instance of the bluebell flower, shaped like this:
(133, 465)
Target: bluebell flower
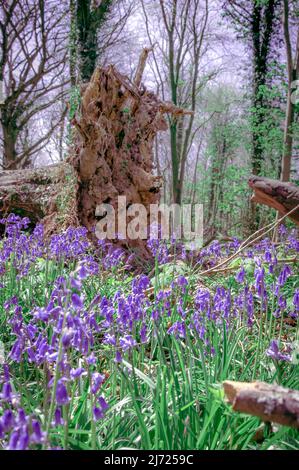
(274, 352)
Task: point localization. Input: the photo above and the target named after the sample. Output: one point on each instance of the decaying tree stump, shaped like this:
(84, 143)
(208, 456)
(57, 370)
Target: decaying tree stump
(276, 194)
(271, 403)
(111, 156)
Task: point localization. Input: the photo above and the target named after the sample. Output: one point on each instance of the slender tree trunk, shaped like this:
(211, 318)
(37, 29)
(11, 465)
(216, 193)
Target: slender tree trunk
(293, 74)
(194, 182)
(73, 43)
(174, 160)
(175, 156)
(288, 140)
(9, 144)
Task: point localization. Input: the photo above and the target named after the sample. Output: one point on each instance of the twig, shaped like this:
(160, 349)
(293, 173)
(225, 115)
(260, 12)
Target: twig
(248, 243)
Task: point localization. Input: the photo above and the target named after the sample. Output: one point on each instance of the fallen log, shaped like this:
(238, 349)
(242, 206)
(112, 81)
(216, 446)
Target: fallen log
(111, 156)
(269, 402)
(279, 195)
(44, 194)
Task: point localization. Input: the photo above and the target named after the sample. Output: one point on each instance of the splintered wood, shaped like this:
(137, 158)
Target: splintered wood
(111, 156)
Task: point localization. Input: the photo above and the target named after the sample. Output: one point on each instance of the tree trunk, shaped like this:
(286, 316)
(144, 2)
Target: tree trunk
(293, 72)
(9, 146)
(112, 156)
(10, 134)
(262, 28)
(73, 43)
(288, 139)
(89, 20)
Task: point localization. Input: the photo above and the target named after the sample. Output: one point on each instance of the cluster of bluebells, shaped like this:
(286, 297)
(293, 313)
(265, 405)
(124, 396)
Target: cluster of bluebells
(124, 322)
(112, 256)
(221, 308)
(159, 250)
(70, 244)
(165, 250)
(77, 329)
(228, 305)
(62, 337)
(21, 249)
(271, 277)
(212, 254)
(18, 430)
(131, 319)
(276, 354)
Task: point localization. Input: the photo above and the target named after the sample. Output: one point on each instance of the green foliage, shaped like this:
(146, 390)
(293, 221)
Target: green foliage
(224, 171)
(166, 395)
(266, 119)
(74, 106)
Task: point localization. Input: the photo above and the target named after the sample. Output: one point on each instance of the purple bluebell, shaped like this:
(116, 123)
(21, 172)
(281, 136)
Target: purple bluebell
(274, 352)
(62, 397)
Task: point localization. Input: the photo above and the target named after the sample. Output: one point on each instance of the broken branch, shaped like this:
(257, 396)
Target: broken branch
(271, 403)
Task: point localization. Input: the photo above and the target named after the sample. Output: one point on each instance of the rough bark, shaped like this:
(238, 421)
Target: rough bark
(271, 403)
(112, 155)
(279, 195)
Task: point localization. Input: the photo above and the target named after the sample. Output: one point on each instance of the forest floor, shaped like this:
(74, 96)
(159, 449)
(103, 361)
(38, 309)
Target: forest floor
(96, 357)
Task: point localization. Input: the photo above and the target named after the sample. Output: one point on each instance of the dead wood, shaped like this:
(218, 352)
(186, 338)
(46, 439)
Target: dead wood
(276, 194)
(269, 402)
(112, 156)
(44, 194)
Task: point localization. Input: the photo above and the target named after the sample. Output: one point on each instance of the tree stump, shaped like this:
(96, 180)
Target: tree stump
(112, 156)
